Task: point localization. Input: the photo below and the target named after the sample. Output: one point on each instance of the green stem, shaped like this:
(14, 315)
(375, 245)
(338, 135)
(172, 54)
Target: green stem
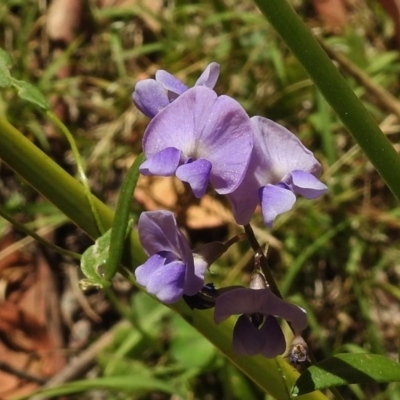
(79, 167)
(335, 89)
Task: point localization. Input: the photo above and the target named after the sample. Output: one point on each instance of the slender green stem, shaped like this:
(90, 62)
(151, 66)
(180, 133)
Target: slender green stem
(79, 166)
(38, 238)
(335, 89)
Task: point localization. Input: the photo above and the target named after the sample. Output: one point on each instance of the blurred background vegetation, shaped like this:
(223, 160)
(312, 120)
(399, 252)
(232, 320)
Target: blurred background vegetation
(338, 256)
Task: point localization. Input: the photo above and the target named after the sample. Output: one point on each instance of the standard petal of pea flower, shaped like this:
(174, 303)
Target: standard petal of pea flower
(257, 331)
(202, 139)
(172, 270)
(281, 167)
(152, 95)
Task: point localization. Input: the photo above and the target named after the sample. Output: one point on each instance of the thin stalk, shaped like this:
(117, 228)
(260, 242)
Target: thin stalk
(81, 172)
(38, 238)
(262, 259)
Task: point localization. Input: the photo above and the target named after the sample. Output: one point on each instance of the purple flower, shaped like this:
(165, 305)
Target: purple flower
(172, 270)
(152, 95)
(257, 331)
(200, 138)
(280, 168)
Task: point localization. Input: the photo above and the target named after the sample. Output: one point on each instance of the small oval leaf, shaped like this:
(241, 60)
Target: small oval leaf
(345, 369)
(30, 93)
(92, 261)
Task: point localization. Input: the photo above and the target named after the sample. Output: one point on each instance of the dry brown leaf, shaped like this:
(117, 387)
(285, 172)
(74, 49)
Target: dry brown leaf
(333, 13)
(210, 213)
(67, 19)
(31, 337)
(156, 193)
(392, 8)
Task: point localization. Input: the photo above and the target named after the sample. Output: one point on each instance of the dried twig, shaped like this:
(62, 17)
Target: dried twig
(81, 364)
(20, 374)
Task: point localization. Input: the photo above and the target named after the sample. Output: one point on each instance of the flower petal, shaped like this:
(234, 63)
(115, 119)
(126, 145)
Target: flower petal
(229, 140)
(180, 124)
(150, 97)
(287, 311)
(144, 271)
(245, 198)
(279, 152)
(193, 282)
(200, 266)
(170, 83)
(196, 174)
(167, 283)
(306, 184)
(274, 340)
(275, 200)
(263, 301)
(247, 339)
(209, 76)
(158, 232)
(210, 252)
(163, 163)
(238, 301)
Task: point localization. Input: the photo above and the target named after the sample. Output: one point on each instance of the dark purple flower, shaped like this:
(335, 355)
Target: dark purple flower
(257, 331)
(280, 168)
(200, 138)
(172, 269)
(152, 95)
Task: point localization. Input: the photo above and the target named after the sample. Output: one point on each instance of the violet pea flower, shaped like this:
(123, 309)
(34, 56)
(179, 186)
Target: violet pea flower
(257, 331)
(152, 95)
(280, 168)
(172, 270)
(200, 138)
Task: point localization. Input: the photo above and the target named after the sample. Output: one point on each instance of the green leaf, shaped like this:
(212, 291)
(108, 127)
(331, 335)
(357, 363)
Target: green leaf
(120, 223)
(188, 347)
(94, 259)
(346, 369)
(5, 64)
(29, 92)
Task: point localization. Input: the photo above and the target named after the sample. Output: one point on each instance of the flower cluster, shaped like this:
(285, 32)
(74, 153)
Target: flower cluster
(209, 140)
